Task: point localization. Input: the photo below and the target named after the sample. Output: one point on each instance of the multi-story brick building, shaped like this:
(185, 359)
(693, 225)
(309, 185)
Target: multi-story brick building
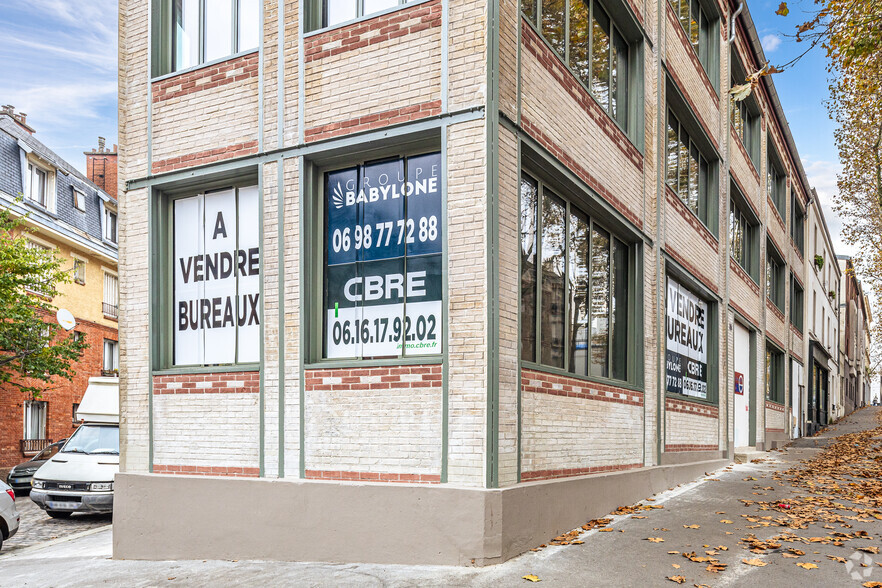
(491, 269)
(854, 337)
(69, 214)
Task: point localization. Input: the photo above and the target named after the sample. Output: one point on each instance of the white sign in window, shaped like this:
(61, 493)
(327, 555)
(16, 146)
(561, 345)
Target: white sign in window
(686, 342)
(217, 278)
(383, 268)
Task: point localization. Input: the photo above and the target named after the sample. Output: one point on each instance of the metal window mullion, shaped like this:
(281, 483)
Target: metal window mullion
(359, 8)
(537, 346)
(234, 26)
(201, 38)
(609, 309)
(566, 303)
(590, 297)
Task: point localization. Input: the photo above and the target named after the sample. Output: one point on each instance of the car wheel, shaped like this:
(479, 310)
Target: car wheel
(58, 514)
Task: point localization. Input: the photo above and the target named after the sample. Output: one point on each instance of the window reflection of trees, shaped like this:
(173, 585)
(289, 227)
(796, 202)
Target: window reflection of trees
(553, 281)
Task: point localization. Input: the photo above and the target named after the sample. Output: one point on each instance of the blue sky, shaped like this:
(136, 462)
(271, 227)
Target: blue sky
(802, 89)
(58, 63)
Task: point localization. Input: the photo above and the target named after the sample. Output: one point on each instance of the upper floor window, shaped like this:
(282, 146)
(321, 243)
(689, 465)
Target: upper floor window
(797, 297)
(110, 365)
(110, 226)
(745, 117)
(38, 184)
(193, 32)
(34, 419)
(40, 285)
(574, 287)
(592, 45)
(689, 172)
(797, 224)
(776, 180)
(743, 234)
(110, 306)
(699, 26)
(79, 200)
(774, 276)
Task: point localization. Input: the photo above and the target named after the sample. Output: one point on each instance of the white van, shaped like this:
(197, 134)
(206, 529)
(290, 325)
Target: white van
(79, 478)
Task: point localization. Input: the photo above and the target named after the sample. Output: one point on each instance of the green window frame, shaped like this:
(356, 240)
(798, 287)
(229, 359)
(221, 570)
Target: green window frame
(776, 179)
(700, 27)
(775, 272)
(191, 33)
(774, 373)
(578, 284)
(690, 173)
(797, 224)
(329, 13)
(592, 43)
(797, 303)
(743, 233)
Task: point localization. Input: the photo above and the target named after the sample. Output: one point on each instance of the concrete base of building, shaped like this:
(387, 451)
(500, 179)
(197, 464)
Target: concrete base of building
(776, 440)
(160, 517)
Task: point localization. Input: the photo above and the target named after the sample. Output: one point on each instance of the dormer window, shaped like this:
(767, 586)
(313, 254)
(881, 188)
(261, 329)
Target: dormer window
(37, 184)
(110, 226)
(79, 200)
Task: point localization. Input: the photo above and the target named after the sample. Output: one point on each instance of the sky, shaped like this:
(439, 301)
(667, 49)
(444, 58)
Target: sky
(58, 64)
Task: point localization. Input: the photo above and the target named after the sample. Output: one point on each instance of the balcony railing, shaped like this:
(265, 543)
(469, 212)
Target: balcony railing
(111, 310)
(34, 446)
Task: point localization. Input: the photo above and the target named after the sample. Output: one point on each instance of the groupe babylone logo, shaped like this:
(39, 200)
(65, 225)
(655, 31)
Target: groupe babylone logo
(386, 190)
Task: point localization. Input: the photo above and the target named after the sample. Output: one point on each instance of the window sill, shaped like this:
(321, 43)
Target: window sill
(685, 398)
(207, 369)
(537, 367)
(359, 19)
(744, 269)
(203, 65)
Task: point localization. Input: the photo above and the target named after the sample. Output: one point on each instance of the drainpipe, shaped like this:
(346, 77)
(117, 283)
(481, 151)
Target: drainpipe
(732, 22)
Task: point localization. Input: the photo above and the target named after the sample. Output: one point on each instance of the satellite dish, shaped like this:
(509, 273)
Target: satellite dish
(66, 319)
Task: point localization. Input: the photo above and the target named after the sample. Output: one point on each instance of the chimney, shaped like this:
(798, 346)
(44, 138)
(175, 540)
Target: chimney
(101, 167)
(19, 117)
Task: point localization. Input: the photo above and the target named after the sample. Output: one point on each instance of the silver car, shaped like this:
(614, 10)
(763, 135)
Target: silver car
(9, 517)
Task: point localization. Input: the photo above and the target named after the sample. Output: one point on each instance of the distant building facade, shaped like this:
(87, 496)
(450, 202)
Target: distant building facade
(854, 318)
(71, 216)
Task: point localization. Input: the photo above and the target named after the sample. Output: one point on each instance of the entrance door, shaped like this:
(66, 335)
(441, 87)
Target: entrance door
(796, 393)
(742, 386)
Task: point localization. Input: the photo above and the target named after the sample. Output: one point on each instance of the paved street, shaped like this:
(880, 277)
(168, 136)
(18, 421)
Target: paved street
(37, 527)
(779, 521)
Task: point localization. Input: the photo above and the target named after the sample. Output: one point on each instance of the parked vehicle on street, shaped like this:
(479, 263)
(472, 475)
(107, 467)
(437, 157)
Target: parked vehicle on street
(9, 517)
(20, 476)
(79, 478)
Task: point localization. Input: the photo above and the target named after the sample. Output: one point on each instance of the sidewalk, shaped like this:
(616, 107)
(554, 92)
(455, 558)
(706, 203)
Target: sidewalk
(703, 517)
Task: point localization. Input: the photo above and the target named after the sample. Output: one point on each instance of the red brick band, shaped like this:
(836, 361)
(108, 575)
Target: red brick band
(572, 472)
(568, 81)
(375, 378)
(373, 477)
(775, 406)
(693, 408)
(750, 166)
(777, 216)
(219, 74)
(203, 157)
(690, 53)
(555, 385)
(676, 448)
(382, 28)
(770, 430)
(675, 201)
(565, 158)
(775, 340)
(739, 271)
(219, 383)
(696, 273)
(373, 121)
(192, 470)
(775, 310)
(695, 111)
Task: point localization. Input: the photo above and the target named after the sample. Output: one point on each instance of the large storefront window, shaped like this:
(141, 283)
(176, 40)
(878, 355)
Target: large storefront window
(576, 272)
(687, 324)
(216, 257)
(383, 270)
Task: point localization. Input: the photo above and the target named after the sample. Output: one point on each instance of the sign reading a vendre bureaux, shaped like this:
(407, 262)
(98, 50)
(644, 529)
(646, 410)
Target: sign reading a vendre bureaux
(217, 278)
(686, 337)
(383, 273)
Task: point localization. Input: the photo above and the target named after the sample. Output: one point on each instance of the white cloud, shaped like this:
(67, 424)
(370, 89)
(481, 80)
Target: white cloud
(770, 42)
(822, 177)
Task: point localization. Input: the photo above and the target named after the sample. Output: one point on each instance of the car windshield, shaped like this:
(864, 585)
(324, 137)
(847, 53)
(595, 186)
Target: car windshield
(92, 439)
(47, 453)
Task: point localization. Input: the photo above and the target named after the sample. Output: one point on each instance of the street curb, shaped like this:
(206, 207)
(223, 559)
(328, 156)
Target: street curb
(33, 548)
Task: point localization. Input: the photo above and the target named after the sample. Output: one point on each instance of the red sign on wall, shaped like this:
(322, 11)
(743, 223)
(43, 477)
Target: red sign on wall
(739, 383)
